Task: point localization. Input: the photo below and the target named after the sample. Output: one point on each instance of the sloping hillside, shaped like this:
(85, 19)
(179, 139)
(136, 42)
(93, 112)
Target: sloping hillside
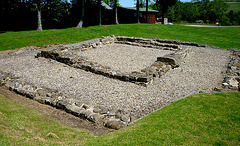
(235, 6)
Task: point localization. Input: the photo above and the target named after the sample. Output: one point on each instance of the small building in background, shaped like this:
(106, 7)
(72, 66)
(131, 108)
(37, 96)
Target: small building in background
(129, 15)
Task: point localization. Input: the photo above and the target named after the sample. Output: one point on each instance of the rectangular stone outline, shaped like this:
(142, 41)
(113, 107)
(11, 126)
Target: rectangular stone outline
(159, 67)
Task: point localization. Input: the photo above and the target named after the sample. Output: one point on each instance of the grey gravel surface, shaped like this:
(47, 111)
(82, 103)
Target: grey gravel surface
(125, 58)
(201, 71)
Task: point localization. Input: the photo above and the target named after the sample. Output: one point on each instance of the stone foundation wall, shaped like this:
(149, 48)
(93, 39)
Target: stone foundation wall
(232, 79)
(114, 119)
(111, 118)
(158, 68)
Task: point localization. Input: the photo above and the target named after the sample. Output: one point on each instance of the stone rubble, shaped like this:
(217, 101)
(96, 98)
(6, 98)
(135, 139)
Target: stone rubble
(114, 103)
(232, 79)
(161, 65)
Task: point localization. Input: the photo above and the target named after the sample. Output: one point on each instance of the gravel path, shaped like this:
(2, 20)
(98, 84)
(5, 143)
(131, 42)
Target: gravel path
(201, 71)
(125, 58)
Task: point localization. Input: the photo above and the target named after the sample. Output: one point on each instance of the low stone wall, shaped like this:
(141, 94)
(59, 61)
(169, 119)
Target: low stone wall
(111, 118)
(159, 67)
(232, 79)
(114, 119)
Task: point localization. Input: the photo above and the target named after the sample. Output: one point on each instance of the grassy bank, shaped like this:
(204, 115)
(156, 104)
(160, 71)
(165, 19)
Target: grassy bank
(223, 37)
(199, 119)
(21, 125)
(235, 6)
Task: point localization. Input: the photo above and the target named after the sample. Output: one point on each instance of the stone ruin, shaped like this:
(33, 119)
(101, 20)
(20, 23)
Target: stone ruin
(232, 79)
(69, 54)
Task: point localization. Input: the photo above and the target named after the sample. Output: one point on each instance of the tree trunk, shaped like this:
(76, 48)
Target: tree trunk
(146, 11)
(162, 14)
(67, 11)
(138, 11)
(115, 12)
(99, 12)
(39, 16)
(80, 24)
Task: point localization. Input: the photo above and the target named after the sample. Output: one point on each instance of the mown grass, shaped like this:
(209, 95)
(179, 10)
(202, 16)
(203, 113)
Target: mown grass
(223, 37)
(235, 6)
(204, 119)
(21, 125)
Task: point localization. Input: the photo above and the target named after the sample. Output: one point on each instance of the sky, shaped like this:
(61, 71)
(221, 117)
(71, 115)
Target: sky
(131, 3)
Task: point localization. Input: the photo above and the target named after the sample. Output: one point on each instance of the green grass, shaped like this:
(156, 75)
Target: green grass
(221, 37)
(204, 119)
(235, 6)
(21, 125)
(199, 119)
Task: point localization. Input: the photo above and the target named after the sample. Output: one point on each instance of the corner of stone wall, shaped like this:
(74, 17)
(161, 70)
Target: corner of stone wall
(232, 80)
(111, 118)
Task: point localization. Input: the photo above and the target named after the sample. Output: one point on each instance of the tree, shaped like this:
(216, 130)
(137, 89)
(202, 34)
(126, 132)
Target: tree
(111, 3)
(99, 12)
(80, 24)
(147, 11)
(164, 6)
(138, 11)
(38, 6)
(115, 11)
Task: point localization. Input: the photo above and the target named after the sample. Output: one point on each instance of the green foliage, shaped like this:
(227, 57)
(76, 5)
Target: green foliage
(225, 21)
(163, 6)
(232, 0)
(208, 11)
(235, 6)
(234, 17)
(221, 37)
(111, 2)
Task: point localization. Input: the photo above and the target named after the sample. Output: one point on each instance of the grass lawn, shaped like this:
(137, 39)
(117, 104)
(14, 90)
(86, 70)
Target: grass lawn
(235, 6)
(204, 119)
(21, 125)
(223, 37)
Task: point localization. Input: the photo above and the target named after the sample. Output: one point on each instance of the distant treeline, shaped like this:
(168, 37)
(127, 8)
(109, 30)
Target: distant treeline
(232, 0)
(23, 14)
(203, 11)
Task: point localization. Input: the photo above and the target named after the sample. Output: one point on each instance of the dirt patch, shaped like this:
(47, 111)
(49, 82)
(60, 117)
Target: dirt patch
(62, 116)
(18, 50)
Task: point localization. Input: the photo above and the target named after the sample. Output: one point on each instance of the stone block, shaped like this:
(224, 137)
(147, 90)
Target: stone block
(39, 99)
(144, 79)
(172, 59)
(114, 124)
(100, 109)
(73, 109)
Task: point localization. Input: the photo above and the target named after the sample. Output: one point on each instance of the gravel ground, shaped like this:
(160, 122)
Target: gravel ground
(201, 71)
(125, 58)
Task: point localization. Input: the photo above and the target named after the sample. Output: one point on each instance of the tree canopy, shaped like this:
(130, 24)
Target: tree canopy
(23, 14)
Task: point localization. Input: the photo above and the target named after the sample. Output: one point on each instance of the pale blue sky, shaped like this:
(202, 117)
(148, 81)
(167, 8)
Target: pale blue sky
(131, 3)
